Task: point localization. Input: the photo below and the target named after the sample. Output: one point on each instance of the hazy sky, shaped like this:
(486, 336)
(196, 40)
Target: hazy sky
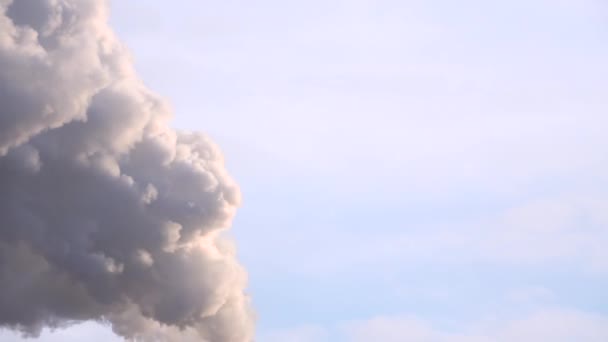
(411, 170)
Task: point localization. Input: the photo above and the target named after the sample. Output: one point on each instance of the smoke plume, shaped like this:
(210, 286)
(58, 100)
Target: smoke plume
(106, 213)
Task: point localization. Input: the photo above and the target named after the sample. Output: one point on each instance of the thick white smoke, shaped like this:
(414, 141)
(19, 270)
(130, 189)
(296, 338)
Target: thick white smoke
(106, 213)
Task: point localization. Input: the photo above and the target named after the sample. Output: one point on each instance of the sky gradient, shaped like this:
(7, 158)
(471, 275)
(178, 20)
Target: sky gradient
(410, 170)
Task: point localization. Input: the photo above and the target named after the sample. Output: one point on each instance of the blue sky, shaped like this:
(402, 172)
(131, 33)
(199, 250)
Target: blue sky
(411, 170)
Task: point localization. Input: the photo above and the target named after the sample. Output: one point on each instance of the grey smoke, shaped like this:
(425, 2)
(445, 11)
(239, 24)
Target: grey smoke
(106, 213)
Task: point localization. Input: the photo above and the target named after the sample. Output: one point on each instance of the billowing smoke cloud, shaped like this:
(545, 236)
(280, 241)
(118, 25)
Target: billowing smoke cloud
(106, 213)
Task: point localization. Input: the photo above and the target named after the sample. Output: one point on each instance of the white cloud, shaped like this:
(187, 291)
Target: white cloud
(548, 325)
(308, 333)
(555, 326)
(399, 329)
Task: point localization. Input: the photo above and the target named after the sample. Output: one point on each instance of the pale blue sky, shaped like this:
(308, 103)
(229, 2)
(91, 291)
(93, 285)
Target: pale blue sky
(411, 170)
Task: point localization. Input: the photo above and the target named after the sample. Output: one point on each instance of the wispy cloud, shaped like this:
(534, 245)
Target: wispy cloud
(545, 325)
